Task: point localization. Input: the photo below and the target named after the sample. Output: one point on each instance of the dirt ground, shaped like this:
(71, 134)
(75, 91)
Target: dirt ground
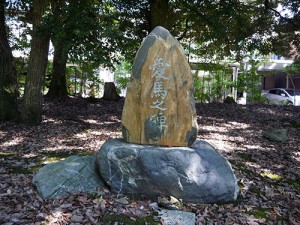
(268, 172)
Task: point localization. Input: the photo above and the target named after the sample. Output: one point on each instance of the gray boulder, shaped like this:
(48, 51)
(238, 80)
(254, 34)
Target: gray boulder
(72, 175)
(198, 174)
(279, 135)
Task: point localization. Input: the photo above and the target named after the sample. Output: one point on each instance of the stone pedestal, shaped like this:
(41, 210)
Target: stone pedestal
(198, 174)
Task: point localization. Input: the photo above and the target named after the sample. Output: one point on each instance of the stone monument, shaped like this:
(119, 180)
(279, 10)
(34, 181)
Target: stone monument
(159, 153)
(159, 106)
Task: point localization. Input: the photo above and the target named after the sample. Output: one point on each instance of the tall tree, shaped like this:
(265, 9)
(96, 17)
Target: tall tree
(159, 10)
(58, 84)
(33, 95)
(61, 42)
(93, 39)
(8, 78)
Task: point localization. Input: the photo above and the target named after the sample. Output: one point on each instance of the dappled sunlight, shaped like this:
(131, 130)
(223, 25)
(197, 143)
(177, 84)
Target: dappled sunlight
(256, 147)
(13, 142)
(267, 171)
(92, 121)
(59, 217)
(82, 136)
(30, 155)
(297, 156)
(99, 122)
(61, 148)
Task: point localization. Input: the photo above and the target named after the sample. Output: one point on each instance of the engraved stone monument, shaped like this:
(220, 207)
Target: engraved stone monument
(159, 153)
(159, 106)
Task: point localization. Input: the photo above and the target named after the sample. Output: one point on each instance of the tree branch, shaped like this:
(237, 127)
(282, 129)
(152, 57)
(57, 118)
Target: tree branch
(289, 20)
(185, 30)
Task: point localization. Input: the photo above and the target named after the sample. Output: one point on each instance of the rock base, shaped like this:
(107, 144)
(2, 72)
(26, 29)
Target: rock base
(198, 174)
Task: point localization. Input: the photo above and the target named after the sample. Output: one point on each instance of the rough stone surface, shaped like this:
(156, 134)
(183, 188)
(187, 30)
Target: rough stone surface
(159, 106)
(72, 175)
(110, 92)
(279, 135)
(198, 174)
(171, 217)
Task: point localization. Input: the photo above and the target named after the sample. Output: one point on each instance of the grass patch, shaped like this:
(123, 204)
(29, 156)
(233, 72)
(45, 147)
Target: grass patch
(19, 170)
(22, 170)
(8, 154)
(256, 191)
(269, 121)
(50, 157)
(35, 169)
(280, 218)
(259, 213)
(241, 167)
(293, 123)
(271, 176)
(245, 156)
(124, 219)
(295, 183)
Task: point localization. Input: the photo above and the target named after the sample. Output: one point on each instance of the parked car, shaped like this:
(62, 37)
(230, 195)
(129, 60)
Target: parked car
(283, 96)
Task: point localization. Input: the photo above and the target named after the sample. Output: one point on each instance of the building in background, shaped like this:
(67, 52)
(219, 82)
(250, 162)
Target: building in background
(277, 77)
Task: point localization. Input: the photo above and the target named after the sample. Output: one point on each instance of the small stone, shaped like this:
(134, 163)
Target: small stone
(172, 217)
(77, 219)
(279, 135)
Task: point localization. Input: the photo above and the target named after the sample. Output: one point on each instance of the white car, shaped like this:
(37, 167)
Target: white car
(283, 96)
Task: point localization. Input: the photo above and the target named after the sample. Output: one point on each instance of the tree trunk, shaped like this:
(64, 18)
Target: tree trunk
(33, 95)
(8, 78)
(159, 13)
(58, 85)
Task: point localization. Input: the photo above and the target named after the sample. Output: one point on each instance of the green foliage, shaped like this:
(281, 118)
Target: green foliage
(249, 80)
(101, 32)
(122, 75)
(89, 82)
(292, 69)
(199, 93)
(214, 81)
(48, 74)
(227, 28)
